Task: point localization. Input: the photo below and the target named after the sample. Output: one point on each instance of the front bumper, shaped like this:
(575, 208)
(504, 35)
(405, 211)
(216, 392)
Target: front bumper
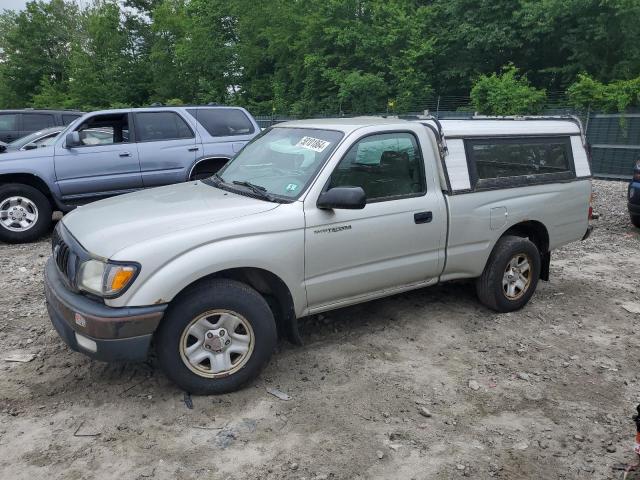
(101, 332)
(634, 208)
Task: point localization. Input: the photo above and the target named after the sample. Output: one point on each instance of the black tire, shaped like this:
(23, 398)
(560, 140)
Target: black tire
(635, 219)
(44, 213)
(489, 286)
(218, 294)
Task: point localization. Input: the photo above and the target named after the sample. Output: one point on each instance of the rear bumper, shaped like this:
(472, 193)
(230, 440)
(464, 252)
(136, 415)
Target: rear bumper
(92, 328)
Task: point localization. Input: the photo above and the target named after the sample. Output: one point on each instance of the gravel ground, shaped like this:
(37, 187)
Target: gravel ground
(427, 384)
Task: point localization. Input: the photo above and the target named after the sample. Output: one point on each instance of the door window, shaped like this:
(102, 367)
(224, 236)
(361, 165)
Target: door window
(105, 129)
(157, 126)
(36, 121)
(8, 121)
(386, 166)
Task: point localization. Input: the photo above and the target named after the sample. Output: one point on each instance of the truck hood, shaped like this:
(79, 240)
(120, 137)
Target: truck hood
(108, 226)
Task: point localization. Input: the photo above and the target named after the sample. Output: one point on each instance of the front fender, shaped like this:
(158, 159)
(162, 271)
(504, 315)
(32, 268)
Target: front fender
(279, 252)
(40, 166)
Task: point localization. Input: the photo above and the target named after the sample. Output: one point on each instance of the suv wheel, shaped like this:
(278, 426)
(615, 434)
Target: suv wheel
(635, 219)
(511, 275)
(25, 213)
(216, 337)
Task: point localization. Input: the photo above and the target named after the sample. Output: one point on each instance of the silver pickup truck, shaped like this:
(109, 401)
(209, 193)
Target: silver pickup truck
(311, 216)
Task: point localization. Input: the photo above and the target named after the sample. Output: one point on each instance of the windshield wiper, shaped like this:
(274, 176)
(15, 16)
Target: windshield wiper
(257, 189)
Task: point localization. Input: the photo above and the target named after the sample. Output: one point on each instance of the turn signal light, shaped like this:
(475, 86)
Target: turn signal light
(120, 278)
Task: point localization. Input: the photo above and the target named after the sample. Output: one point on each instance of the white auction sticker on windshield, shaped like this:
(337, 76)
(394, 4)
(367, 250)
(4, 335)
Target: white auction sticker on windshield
(315, 144)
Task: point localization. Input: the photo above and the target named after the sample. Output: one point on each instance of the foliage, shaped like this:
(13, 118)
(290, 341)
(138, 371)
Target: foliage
(506, 94)
(35, 46)
(319, 56)
(617, 96)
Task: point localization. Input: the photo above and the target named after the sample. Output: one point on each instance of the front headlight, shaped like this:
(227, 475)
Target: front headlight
(106, 279)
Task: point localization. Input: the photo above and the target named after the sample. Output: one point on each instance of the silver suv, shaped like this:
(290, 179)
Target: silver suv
(312, 216)
(111, 152)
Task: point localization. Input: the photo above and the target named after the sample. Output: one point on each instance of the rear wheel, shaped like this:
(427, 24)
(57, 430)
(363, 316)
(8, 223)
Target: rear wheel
(511, 275)
(25, 213)
(216, 337)
(635, 219)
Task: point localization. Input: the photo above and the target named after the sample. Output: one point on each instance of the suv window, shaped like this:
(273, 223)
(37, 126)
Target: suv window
(519, 157)
(8, 121)
(68, 118)
(223, 122)
(36, 121)
(385, 166)
(155, 126)
(105, 129)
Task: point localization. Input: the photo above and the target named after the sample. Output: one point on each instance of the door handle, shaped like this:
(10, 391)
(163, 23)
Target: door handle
(423, 217)
(125, 154)
(194, 149)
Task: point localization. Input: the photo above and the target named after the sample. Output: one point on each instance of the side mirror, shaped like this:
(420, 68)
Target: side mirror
(349, 198)
(72, 140)
(30, 146)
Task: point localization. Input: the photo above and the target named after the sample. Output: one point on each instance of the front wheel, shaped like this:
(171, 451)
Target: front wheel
(511, 275)
(635, 219)
(25, 213)
(216, 337)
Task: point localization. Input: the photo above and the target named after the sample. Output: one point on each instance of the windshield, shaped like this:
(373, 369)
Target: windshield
(21, 142)
(282, 160)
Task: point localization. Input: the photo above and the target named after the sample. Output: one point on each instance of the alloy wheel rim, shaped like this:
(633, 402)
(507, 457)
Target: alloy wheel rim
(18, 214)
(217, 343)
(517, 277)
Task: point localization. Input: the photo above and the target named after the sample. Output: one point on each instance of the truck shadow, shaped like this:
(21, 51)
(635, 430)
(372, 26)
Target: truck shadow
(456, 297)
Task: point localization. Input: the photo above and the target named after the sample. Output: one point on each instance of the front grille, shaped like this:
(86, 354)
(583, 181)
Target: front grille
(63, 256)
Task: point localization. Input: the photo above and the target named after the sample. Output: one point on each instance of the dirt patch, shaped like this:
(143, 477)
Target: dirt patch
(556, 384)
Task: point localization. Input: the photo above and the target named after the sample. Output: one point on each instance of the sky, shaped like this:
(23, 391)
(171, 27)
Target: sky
(12, 4)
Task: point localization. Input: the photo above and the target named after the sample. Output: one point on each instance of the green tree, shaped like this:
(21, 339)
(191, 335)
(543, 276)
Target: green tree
(618, 96)
(193, 51)
(105, 67)
(35, 49)
(506, 94)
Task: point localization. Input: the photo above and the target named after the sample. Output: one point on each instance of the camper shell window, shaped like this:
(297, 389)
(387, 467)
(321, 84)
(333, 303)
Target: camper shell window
(518, 161)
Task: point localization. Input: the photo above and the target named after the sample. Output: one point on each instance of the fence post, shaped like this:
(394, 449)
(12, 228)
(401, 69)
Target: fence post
(586, 124)
(438, 108)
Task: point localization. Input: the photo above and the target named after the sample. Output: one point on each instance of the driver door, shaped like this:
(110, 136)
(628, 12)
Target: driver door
(106, 164)
(396, 241)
